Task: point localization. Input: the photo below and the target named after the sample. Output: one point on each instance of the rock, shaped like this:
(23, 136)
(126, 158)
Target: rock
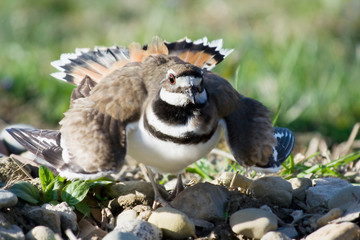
(173, 223)
(141, 229)
(125, 216)
(323, 190)
(116, 235)
(253, 222)
(345, 230)
(345, 198)
(277, 190)
(45, 217)
(240, 181)
(40, 233)
(299, 186)
(10, 232)
(7, 199)
(67, 215)
(9, 170)
(331, 215)
(11, 144)
(275, 236)
(132, 193)
(289, 231)
(202, 201)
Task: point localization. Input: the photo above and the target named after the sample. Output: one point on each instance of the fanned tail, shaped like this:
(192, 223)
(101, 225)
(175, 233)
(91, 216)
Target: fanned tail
(96, 64)
(200, 53)
(100, 62)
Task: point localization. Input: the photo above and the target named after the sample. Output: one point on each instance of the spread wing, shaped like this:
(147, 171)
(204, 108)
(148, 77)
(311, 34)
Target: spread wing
(249, 132)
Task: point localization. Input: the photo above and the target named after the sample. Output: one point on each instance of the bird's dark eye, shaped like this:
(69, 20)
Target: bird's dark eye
(172, 79)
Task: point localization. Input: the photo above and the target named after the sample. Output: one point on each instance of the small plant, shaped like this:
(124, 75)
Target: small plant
(56, 189)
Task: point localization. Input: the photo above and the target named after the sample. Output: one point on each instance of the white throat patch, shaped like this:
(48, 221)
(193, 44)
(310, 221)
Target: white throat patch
(180, 99)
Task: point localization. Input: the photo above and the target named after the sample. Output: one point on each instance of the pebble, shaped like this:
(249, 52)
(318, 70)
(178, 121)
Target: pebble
(277, 190)
(275, 236)
(323, 190)
(299, 186)
(173, 223)
(141, 229)
(45, 217)
(253, 222)
(10, 232)
(227, 178)
(40, 233)
(331, 215)
(116, 235)
(7, 199)
(126, 215)
(202, 201)
(67, 215)
(132, 193)
(345, 230)
(289, 231)
(345, 198)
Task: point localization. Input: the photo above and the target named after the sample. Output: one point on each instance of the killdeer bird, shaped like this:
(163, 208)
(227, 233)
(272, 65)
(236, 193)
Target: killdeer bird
(158, 103)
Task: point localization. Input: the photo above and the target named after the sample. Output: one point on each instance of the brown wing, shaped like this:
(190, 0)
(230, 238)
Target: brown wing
(249, 131)
(94, 128)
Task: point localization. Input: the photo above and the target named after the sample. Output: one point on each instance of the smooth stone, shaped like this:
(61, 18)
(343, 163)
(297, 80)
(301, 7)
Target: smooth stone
(275, 236)
(331, 215)
(237, 180)
(323, 190)
(202, 201)
(345, 230)
(116, 235)
(67, 215)
(345, 198)
(45, 217)
(11, 144)
(277, 190)
(10, 232)
(40, 233)
(132, 193)
(172, 222)
(253, 222)
(7, 199)
(299, 186)
(289, 231)
(125, 216)
(141, 229)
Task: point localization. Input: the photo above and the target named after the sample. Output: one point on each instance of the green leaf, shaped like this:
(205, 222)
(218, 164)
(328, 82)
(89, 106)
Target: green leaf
(75, 192)
(83, 208)
(51, 191)
(46, 177)
(26, 191)
(100, 182)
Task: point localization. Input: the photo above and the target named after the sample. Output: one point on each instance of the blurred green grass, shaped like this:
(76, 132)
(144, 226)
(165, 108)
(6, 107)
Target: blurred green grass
(306, 55)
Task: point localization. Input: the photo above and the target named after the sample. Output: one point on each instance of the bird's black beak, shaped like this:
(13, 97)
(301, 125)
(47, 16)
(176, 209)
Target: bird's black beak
(191, 93)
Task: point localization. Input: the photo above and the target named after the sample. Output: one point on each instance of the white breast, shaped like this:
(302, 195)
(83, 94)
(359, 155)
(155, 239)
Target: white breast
(165, 156)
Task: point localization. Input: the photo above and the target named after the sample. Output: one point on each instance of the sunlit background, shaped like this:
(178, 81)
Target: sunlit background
(302, 54)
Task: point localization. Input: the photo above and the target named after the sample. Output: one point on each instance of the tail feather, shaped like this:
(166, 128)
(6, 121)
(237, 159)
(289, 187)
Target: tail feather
(45, 144)
(98, 63)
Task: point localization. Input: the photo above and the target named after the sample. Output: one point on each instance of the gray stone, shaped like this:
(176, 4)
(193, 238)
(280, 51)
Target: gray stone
(345, 230)
(40, 233)
(253, 222)
(10, 232)
(45, 217)
(289, 231)
(173, 223)
(345, 198)
(116, 235)
(7, 199)
(331, 215)
(275, 236)
(323, 190)
(202, 201)
(277, 190)
(299, 186)
(125, 216)
(141, 229)
(67, 215)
